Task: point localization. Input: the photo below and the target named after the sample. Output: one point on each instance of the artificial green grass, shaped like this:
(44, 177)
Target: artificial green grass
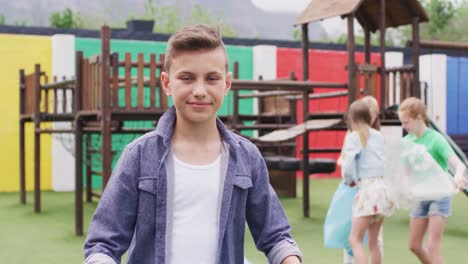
(48, 237)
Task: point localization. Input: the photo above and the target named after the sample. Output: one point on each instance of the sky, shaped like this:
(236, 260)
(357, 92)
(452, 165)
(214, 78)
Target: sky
(293, 6)
(289, 6)
(334, 26)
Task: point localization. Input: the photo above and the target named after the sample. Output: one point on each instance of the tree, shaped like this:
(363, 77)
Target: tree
(360, 39)
(440, 13)
(66, 19)
(2, 19)
(456, 30)
(447, 22)
(297, 34)
(200, 16)
(168, 19)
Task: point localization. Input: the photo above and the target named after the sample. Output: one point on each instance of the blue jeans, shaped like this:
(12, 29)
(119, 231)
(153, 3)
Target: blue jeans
(442, 207)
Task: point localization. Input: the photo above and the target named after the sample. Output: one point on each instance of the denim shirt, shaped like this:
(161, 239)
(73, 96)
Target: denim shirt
(361, 163)
(131, 214)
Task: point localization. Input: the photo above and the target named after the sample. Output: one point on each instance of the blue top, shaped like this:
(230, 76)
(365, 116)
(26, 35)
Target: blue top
(360, 163)
(132, 212)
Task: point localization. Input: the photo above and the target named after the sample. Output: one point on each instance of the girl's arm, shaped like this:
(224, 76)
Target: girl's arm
(351, 149)
(339, 161)
(460, 180)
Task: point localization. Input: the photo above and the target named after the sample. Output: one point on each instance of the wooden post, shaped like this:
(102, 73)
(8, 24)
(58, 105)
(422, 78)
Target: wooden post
(89, 174)
(37, 139)
(416, 91)
(235, 98)
(367, 55)
(367, 45)
(79, 177)
(78, 104)
(78, 145)
(353, 89)
(305, 111)
(105, 107)
(382, 55)
(305, 52)
(21, 141)
(115, 80)
(162, 96)
(305, 156)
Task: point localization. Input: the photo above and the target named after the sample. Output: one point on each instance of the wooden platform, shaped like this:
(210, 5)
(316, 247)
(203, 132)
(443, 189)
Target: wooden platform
(290, 133)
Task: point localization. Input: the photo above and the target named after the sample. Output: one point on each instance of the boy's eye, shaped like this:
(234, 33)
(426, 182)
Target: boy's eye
(186, 77)
(213, 78)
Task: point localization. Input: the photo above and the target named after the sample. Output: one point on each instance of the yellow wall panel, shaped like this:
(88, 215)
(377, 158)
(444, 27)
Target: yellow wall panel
(16, 52)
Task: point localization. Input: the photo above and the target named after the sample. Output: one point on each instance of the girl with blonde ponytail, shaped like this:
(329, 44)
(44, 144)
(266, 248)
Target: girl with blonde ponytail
(348, 258)
(363, 160)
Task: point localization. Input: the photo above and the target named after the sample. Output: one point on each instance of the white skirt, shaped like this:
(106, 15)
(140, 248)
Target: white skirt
(373, 199)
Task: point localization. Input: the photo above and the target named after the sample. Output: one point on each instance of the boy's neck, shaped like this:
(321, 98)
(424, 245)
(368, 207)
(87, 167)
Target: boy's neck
(201, 132)
(196, 144)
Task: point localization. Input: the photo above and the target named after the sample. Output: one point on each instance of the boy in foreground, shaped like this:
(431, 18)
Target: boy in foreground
(182, 193)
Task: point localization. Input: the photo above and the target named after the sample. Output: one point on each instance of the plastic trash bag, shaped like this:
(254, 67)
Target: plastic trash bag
(337, 225)
(427, 180)
(414, 176)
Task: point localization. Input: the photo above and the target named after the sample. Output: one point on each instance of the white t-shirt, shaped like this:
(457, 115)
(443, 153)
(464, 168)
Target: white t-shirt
(194, 204)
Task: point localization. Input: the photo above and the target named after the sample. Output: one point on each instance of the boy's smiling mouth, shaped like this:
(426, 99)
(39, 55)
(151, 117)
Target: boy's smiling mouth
(199, 105)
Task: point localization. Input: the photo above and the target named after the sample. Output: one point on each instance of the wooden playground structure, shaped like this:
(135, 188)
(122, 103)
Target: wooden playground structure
(103, 88)
(101, 101)
(41, 101)
(372, 15)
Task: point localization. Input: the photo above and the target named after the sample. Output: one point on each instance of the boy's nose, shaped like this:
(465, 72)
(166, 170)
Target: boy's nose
(199, 89)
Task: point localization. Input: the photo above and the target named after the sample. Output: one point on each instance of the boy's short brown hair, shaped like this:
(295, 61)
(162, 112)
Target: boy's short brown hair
(193, 38)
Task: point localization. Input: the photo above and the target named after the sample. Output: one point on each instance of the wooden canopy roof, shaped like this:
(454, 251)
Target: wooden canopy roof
(367, 12)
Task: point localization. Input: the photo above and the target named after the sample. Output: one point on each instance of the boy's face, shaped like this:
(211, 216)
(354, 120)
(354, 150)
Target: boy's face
(197, 82)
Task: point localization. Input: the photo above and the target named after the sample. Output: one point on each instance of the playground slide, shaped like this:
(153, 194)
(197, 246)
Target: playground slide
(452, 143)
(455, 147)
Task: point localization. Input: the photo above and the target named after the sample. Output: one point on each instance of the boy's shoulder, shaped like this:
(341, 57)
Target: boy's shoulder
(246, 149)
(242, 141)
(143, 140)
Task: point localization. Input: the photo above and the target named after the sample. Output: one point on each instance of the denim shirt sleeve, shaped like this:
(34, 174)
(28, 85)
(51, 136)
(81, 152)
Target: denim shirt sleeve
(99, 258)
(111, 229)
(266, 218)
(351, 150)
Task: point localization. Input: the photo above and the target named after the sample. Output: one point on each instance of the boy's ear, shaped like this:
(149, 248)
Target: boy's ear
(165, 83)
(228, 83)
